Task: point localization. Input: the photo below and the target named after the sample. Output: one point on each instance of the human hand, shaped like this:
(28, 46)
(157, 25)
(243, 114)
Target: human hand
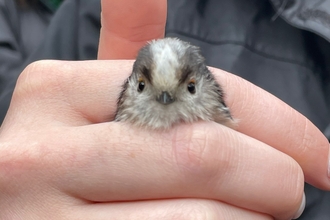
(60, 154)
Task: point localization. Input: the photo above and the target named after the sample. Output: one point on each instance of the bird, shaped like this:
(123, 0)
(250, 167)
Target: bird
(170, 84)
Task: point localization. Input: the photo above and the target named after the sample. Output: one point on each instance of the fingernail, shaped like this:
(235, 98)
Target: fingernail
(301, 208)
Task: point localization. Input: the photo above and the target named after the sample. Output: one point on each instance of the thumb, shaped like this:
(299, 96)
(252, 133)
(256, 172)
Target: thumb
(128, 24)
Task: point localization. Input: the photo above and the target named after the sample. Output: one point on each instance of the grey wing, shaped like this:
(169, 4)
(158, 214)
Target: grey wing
(121, 100)
(223, 116)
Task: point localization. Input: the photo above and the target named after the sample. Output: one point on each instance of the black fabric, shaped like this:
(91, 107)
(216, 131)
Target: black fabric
(21, 31)
(280, 45)
(73, 33)
(52, 4)
(308, 15)
(30, 33)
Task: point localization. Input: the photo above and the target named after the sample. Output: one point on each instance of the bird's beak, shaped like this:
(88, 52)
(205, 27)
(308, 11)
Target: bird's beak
(165, 98)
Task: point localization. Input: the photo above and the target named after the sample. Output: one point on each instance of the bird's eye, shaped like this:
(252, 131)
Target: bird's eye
(141, 86)
(191, 87)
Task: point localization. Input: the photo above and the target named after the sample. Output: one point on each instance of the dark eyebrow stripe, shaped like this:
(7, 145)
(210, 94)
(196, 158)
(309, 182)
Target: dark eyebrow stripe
(146, 73)
(143, 61)
(186, 72)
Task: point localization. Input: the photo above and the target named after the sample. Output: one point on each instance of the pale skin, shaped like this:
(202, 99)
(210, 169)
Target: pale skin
(61, 155)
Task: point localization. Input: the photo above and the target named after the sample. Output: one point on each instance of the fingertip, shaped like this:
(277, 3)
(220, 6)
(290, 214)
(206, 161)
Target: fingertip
(115, 47)
(128, 24)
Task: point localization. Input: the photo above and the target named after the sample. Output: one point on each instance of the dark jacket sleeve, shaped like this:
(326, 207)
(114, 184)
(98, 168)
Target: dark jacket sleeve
(33, 33)
(73, 32)
(22, 29)
(11, 55)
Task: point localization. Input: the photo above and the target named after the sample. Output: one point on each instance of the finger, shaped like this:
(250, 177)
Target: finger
(202, 160)
(128, 24)
(94, 87)
(165, 209)
(270, 120)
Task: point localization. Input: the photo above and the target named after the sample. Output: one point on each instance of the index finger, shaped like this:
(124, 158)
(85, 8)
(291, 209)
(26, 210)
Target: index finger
(128, 24)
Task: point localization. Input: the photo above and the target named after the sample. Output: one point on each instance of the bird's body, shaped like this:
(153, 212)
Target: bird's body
(170, 83)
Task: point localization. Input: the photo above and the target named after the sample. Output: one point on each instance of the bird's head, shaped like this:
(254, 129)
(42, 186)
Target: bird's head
(169, 83)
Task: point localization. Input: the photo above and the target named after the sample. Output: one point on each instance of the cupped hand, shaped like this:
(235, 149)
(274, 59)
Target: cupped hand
(61, 154)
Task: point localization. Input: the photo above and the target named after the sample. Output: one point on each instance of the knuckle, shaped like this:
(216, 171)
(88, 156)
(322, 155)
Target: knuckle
(38, 78)
(195, 152)
(22, 158)
(16, 164)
